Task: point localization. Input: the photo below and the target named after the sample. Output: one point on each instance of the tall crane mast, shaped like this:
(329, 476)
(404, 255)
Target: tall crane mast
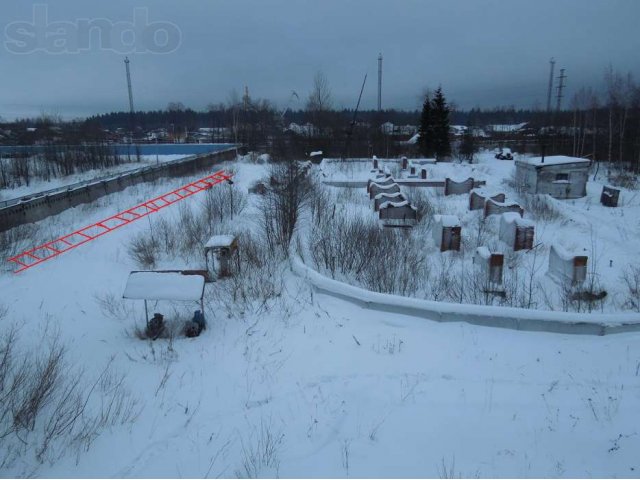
(131, 110)
(347, 143)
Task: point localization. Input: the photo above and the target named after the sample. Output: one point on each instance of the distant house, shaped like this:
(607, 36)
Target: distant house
(507, 128)
(308, 129)
(457, 130)
(558, 176)
(389, 128)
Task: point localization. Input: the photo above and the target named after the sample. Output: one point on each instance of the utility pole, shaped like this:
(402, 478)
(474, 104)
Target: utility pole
(561, 86)
(245, 98)
(380, 82)
(552, 63)
(131, 110)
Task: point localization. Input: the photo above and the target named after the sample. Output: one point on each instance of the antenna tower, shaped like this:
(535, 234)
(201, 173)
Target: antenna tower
(380, 82)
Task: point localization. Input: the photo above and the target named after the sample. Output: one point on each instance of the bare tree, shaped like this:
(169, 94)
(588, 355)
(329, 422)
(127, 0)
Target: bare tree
(621, 90)
(320, 101)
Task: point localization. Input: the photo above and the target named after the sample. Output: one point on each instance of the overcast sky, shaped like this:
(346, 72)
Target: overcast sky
(482, 52)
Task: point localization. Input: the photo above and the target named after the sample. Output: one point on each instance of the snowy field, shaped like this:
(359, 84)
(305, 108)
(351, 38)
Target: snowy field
(307, 385)
(608, 236)
(41, 185)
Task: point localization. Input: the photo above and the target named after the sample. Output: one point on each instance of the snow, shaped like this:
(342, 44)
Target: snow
(163, 286)
(389, 195)
(514, 218)
(391, 204)
(399, 394)
(447, 220)
(383, 186)
(218, 241)
(552, 160)
(316, 153)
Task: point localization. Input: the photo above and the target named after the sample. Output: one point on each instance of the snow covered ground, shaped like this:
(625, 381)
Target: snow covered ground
(41, 185)
(582, 226)
(312, 386)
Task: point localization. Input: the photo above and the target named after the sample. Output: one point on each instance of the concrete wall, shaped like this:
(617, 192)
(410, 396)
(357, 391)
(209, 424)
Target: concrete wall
(412, 182)
(486, 316)
(40, 207)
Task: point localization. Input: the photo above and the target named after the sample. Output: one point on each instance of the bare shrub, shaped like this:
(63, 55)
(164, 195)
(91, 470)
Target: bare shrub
(618, 177)
(382, 260)
(540, 207)
(421, 200)
(143, 249)
(115, 307)
(260, 453)
(255, 280)
(16, 240)
(46, 407)
(224, 202)
(631, 280)
(283, 204)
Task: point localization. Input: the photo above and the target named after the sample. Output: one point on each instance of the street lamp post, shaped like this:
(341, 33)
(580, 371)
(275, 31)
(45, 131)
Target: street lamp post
(230, 183)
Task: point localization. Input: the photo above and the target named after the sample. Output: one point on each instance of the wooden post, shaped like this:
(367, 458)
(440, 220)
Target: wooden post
(146, 313)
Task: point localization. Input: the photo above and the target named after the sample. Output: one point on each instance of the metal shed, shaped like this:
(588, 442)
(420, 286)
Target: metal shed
(559, 176)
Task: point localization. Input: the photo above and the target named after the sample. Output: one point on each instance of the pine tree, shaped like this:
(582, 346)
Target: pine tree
(468, 146)
(425, 141)
(440, 125)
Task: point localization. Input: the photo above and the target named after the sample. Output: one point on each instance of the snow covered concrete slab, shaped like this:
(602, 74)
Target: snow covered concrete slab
(164, 286)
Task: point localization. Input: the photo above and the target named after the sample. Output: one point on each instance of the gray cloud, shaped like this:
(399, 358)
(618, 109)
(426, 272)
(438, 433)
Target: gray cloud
(483, 52)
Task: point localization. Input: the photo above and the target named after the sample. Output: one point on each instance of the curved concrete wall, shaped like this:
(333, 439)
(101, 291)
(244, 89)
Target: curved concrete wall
(487, 316)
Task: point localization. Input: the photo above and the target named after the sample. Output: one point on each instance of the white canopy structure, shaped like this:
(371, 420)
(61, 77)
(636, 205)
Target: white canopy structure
(164, 286)
(167, 285)
(220, 241)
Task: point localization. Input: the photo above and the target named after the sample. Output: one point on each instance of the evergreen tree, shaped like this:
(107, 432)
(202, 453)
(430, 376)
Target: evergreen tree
(468, 146)
(440, 125)
(425, 141)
